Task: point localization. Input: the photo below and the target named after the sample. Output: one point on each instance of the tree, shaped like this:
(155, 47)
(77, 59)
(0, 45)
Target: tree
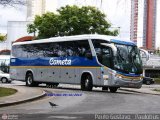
(12, 2)
(47, 25)
(2, 38)
(71, 20)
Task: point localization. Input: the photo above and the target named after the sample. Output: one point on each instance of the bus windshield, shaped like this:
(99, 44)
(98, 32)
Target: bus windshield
(128, 59)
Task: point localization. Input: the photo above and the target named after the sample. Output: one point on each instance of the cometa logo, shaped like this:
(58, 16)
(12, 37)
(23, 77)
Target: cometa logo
(52, 61)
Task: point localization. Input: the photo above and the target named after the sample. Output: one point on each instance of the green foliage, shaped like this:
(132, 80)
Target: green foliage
(157, 90)
(6, 91)
(157, 80)
(2, 37)
(71, 20)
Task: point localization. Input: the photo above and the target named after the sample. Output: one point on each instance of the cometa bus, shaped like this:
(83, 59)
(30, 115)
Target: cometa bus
(87, 60)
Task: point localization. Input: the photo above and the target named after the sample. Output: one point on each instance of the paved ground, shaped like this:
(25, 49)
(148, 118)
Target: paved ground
(146, 89)
(23, 95)
(85, 106)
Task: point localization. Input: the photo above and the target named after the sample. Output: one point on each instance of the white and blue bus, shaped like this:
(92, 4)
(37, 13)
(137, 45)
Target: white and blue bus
(86, 60)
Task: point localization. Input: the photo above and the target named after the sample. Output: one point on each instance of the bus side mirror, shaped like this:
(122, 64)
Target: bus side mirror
(144, 55)
(88, 55)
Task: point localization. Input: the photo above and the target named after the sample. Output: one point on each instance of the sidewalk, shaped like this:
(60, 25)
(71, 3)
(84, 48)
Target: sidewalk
(26, 94)
(23, 94)
(146, 89)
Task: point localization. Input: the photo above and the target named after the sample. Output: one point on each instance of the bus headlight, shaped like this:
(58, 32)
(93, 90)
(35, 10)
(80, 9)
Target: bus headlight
(114, 72)
(119, 77)
(141, 78)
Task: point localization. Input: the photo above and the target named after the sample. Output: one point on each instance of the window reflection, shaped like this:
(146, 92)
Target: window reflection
(54, 49)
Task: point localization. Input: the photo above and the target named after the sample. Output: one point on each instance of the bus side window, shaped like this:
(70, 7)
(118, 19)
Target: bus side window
(83, 48)
(106, 57)
(55, 48)
(104, 54)
(69, 49)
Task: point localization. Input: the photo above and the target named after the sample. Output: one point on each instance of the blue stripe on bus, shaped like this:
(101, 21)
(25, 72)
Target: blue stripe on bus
(123, 42)
(129, 75)
(48, 61)
(75, 61)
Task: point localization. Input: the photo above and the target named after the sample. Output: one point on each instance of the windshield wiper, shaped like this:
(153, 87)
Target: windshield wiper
(121, 58)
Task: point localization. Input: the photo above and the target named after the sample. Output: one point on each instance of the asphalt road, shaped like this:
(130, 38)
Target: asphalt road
(84, 106)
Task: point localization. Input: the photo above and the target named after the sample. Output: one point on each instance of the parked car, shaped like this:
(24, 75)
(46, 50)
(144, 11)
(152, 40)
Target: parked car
(5, 77)
(148, 80)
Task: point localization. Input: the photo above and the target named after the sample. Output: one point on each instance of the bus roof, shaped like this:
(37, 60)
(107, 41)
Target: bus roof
(123, 42)
(77, 37)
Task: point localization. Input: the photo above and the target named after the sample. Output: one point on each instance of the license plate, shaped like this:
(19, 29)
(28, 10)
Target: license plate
(131, 84)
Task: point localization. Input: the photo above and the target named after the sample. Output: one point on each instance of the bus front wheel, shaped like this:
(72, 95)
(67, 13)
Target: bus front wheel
(86, 83)
(30, 80)
(113, 89)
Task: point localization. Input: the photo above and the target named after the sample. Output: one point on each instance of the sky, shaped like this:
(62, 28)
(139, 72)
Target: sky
(11, 14)
(117, 12)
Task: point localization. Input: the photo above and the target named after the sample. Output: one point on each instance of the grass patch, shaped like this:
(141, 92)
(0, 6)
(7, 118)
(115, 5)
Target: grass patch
(157, 90)
(157, 80)
(6, 91)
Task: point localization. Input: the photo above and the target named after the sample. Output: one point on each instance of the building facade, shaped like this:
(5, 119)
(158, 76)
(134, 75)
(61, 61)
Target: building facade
(149, 24)
(134, 20)
(35, 7)
(39, 7)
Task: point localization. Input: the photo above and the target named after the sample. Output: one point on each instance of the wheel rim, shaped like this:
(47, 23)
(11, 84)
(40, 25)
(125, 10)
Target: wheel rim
(4, 80)
(86, 82)
(29, 80)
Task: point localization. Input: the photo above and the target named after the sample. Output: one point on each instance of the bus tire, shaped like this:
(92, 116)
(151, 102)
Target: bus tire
(55, 84)
(113, 89)
(86, 83)
(105, 88)
(30, 80)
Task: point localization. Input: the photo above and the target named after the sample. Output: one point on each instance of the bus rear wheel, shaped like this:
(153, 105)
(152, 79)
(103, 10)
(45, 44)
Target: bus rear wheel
(113, 89)
(86, 83)
(105, 88)
(30, 80)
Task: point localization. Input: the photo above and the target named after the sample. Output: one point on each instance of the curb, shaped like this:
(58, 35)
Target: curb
(139, 92)
(23, 101)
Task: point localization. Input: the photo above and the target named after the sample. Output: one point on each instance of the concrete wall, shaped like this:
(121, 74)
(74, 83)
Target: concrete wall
(158, 26)
(149, 23)
(15, 30)
(3, 45)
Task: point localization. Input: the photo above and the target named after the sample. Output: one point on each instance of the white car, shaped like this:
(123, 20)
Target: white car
(5, 77)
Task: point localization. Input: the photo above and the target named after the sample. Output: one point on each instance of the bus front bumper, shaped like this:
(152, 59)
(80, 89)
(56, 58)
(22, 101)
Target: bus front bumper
(128, 83)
